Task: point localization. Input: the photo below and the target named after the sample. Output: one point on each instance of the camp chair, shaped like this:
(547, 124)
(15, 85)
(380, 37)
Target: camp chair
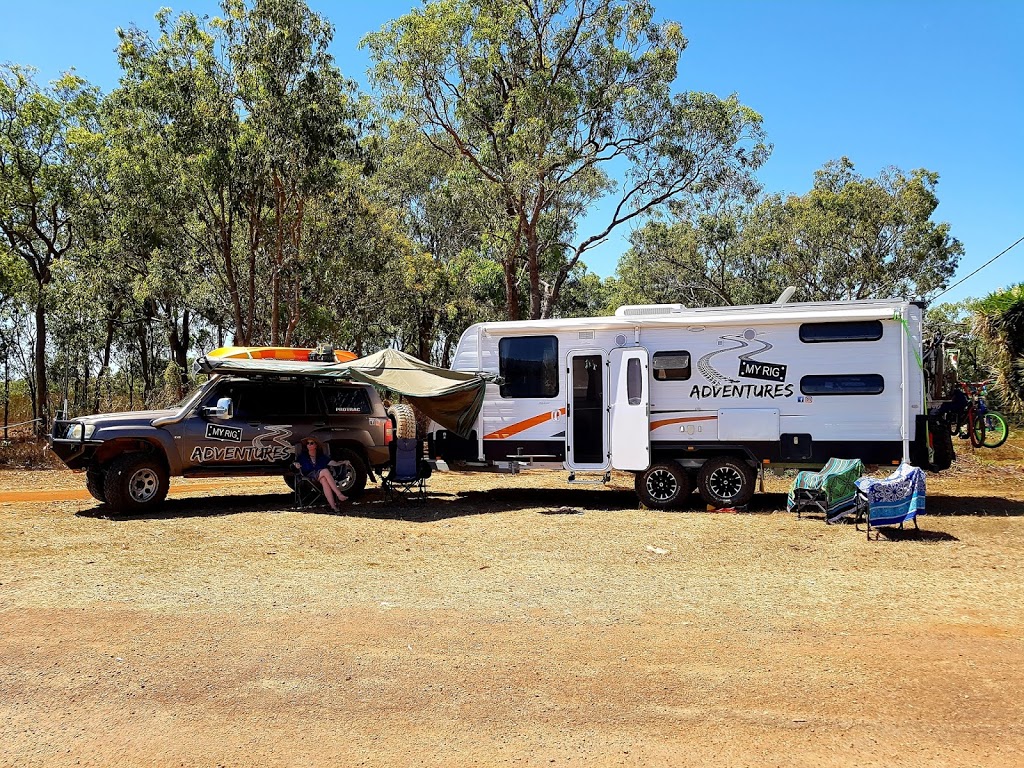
(892, 501)
(311, 494)
(408, 472)
(830, 491)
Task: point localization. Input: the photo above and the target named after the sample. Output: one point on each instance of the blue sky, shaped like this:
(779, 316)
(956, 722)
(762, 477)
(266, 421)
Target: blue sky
(913, 84)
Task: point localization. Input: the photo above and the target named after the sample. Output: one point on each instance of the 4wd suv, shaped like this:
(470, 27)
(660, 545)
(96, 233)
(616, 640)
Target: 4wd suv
(230, 426)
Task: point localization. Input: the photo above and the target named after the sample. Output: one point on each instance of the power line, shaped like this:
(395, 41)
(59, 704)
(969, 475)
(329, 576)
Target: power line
(1005, 250)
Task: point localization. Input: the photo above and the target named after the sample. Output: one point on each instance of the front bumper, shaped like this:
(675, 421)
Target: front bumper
(77, 453)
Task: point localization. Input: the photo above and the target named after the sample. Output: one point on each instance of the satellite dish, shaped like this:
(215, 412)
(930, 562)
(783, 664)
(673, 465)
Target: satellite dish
(786, 295)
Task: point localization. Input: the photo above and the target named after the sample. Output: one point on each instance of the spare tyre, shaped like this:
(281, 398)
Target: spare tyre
(404, 419)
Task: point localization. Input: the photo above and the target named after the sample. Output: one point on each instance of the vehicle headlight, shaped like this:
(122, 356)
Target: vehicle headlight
(80, 431)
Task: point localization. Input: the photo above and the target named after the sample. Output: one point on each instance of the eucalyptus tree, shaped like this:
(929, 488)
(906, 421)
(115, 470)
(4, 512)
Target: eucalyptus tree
(47, 138)
(251, 118)
(545, 101)
(849, 237)
(446, 276)
(853, 237)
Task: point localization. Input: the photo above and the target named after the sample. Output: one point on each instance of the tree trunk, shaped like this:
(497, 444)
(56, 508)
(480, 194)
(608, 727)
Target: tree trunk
(42, 407)
(511, 290)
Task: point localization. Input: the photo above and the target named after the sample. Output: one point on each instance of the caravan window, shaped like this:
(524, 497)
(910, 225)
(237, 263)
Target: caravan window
(671, 366)
(529, 366)
(856, 330)
(634, 382)
(843, 384)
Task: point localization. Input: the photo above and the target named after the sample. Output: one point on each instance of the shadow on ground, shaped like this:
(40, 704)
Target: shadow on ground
(442, 506)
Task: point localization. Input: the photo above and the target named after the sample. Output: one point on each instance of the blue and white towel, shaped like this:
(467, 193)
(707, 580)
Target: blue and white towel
(896, 499)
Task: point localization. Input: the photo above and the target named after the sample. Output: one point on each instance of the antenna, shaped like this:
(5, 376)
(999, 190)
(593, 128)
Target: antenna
(786, 295)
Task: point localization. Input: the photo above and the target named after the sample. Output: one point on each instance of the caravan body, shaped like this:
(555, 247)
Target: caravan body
(693, 390)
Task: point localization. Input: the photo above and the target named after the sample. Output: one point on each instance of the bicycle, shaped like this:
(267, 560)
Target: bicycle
(973, 420)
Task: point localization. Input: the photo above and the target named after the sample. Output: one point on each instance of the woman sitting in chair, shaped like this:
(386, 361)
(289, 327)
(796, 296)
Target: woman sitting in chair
(313, 463)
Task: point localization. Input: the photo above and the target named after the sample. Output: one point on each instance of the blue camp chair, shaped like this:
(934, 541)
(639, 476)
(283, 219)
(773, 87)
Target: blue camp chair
(408, 472)
(830, 491)
(895, 500)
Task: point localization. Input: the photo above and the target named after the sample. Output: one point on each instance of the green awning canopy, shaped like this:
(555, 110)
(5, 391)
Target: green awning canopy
(451, 398)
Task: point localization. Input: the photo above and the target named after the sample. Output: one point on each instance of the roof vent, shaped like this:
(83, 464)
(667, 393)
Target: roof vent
(648, 310)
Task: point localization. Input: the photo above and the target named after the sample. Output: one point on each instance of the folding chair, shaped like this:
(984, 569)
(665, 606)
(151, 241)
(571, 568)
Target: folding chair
(892, 501)
(307, 493)
(408, 472)
(830, 491)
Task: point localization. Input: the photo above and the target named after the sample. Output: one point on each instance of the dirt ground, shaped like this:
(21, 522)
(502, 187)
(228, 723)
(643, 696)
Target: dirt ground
(509, 620)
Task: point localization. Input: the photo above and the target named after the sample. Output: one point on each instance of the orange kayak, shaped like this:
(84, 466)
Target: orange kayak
(276, 353)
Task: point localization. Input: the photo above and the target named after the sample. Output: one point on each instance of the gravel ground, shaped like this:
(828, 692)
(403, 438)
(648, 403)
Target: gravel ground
(508, 620)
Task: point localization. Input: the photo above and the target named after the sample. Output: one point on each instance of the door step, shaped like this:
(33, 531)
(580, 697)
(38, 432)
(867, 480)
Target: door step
(590, 479)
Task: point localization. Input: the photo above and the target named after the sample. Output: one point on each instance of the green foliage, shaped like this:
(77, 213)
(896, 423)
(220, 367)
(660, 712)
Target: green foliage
(848, 238)
(539, 100)
(999, 320)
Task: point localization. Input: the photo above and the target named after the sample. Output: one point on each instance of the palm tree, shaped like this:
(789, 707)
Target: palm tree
(999, 320)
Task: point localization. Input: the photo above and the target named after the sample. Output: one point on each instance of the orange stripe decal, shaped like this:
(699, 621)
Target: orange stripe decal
(522, 426)
(664, 423)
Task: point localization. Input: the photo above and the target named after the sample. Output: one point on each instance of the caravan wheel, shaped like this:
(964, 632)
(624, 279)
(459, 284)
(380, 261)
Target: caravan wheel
(726, 482)
(663, 486)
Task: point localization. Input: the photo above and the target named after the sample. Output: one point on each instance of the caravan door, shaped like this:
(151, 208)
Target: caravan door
(630, 411)
(586, 433)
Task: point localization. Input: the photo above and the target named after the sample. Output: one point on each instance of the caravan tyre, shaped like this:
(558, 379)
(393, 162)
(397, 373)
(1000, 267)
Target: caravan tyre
(726, 482)
(663, 486)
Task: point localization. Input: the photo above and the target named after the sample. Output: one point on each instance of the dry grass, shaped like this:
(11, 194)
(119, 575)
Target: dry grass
(509, 620)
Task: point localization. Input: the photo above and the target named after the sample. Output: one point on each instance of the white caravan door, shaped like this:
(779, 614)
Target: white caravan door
(630, 412)
(586, 431)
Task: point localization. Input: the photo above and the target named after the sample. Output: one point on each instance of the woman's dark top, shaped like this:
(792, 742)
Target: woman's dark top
(310, 467)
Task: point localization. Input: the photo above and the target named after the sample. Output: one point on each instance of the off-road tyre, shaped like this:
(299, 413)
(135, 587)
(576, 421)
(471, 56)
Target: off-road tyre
(289, 480)
(356, 484)
(663, 486)
(726, 482)
(94, 479)
(136, 482)
(404, 419)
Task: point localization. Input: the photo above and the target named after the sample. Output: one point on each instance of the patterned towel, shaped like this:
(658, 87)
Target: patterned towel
(896, 499)
(837, 479)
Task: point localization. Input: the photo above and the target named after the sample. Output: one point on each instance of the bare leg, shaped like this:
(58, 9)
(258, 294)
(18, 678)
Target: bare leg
(331, 491)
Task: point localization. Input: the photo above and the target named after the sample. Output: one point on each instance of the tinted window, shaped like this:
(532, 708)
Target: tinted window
(258, 400)
(346, 400)
(671, 366)
(634, 381)
(843, 384)
(529, 366)
(858, 330)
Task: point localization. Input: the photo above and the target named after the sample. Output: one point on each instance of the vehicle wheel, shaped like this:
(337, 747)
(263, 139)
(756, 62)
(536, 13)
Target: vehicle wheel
(663, 485)
(726, 482)
(289, 480)
(996, 430)
(94, 482)
(404, 418)
(353, 483)
(136, 482)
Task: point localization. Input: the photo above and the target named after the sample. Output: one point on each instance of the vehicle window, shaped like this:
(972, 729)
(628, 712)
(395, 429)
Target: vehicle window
(346, 400)
(671, 366)
(262, 399)
(634, 381)
(529, 366)
(843, 384)
(856, 330)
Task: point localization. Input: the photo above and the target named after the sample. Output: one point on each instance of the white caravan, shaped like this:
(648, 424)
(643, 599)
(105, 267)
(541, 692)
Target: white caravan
(699, 398)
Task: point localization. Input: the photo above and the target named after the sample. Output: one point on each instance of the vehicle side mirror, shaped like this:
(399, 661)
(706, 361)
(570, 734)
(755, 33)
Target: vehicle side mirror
(224, 409)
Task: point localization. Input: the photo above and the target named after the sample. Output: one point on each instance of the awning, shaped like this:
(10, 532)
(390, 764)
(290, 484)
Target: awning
(451, 398)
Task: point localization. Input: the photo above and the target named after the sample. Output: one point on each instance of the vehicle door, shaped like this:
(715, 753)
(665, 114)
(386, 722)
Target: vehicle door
(586, 435)
(630, 409)
(267, 419)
